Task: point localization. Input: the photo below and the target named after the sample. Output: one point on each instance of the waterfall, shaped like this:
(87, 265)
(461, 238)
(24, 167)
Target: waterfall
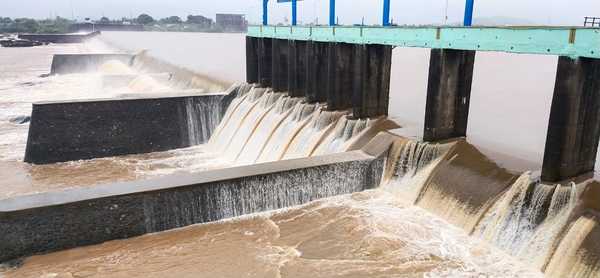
(266, 129)
(577, 256)
(339, 139)
(250, 123)
(202, 118)
(263, 126)
(409, 165)
(527, 220)
(276, 145)
(309, 138)
(229, 126)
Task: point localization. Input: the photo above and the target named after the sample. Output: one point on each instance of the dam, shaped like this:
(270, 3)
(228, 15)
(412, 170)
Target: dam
(300, 171)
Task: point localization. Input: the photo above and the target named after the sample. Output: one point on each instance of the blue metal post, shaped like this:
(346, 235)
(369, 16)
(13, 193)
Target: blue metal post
(294, 12)
(265, 12)
(386, 13)
(469, 12)
(331, 12)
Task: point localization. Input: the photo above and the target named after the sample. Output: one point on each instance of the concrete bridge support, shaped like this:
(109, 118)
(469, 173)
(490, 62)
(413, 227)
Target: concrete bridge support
(252, 60)
(371, 87)
(265, 61)
(448, 94)
(317, 59)
(574, 127)
(297, 68)
(340, 76)
(280, 65)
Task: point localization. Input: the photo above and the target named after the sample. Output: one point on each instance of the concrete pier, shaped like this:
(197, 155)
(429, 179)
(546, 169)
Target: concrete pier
(265, 62)
(297, 68)
(448, 94)
(574, 127)
(280, 60)
(252, 60)
(316, 75)
(371, 87)
(340, 76)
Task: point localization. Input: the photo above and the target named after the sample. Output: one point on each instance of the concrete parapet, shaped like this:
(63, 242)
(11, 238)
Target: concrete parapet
(67, 219)
(65, 131)
(574, 126)
(448, 94)
(81, 63)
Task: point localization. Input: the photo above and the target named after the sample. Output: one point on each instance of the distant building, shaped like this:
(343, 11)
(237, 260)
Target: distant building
(232, 22)
(200, 20)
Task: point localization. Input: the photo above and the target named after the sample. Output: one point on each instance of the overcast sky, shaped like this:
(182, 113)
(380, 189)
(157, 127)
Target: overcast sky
(556, 12)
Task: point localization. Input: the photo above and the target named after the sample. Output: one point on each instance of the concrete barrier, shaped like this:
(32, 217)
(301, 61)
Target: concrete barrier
(65, 131)
(82, 63)
(78, 217)
(59, 38)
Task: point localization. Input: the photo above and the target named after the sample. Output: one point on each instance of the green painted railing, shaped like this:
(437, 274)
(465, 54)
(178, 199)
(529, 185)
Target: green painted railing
(562, 41)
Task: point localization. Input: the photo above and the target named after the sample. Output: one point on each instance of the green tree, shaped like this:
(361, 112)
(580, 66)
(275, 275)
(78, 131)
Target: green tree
(104, 19)
(5, 20)
(171, 20)
(145, 19)
(26, 25)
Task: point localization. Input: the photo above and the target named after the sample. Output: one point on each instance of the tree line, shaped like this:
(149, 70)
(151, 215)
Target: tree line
(29, 25)
(62, 25)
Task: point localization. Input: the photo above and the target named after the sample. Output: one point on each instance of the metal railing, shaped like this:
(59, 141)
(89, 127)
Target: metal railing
(591, 21)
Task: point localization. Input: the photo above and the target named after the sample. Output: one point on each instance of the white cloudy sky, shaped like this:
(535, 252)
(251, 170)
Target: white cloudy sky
(556, 12)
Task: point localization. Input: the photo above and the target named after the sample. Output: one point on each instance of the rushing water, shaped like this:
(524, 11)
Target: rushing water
(442, 210)
(259, 125)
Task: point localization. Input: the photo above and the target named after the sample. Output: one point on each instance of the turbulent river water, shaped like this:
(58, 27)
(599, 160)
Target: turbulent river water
(442, 210)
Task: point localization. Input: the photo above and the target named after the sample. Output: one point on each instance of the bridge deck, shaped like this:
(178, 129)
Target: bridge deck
(562, 41)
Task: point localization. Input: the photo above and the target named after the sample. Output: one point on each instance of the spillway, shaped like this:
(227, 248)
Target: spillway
(537, 223)
(441, 209)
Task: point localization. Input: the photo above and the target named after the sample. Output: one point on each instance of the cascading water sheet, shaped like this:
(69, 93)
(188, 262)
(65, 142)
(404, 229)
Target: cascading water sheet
(249, 125)
(275, 147)
(527, 220)
(221, 140)
(277, 117)
(313, 134)
(340, 139)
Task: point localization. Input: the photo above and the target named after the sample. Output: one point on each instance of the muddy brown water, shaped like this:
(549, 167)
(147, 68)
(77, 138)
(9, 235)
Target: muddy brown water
(411, 227)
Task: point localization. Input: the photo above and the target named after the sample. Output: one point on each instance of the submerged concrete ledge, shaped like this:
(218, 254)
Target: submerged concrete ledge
(75, 130)
(59, 38)
(61, 220)
(81, 63)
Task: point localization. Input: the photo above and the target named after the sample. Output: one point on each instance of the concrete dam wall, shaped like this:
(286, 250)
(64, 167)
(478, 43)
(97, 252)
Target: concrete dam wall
(60, 220)
(80, 63)
(65, 131)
